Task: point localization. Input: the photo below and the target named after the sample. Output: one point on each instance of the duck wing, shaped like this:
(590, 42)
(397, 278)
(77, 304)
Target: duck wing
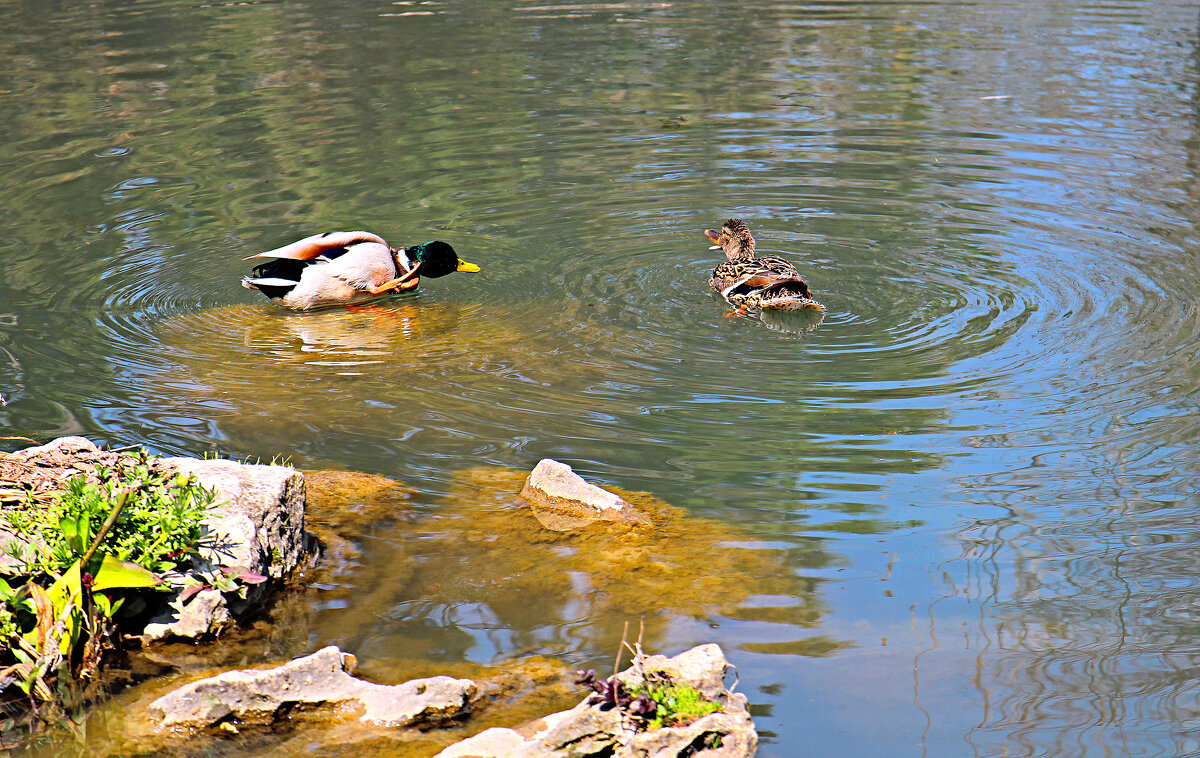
(732, 273)
(769, 272)
(318, 244)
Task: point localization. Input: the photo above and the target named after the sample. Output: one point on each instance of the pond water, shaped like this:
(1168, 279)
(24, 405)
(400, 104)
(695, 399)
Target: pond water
(969, 491)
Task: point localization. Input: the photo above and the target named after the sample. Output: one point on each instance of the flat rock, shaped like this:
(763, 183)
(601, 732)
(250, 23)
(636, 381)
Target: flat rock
(563, 500)
(321, 679)
(588, 730)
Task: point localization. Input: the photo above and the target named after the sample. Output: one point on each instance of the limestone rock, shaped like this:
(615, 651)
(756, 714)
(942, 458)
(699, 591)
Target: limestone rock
(206, 613)
(588, 730)
(562, 500)
(321, 679)
(64, 445)
(257, 521)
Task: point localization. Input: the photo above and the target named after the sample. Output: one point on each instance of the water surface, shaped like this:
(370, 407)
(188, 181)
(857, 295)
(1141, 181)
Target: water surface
(973, 479)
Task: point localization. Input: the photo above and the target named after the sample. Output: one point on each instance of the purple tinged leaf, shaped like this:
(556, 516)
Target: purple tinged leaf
(250, 577)
(187, 592)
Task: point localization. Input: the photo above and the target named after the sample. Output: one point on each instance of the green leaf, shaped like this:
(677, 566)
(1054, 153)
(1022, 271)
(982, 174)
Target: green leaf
(70, 529)
(63, 593)
(68, 587)
(115, 573)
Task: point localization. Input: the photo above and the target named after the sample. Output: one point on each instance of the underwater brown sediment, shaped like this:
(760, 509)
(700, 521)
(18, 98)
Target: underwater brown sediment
(481, 545)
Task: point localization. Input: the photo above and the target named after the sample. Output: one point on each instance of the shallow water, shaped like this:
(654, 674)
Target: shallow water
(975, 475)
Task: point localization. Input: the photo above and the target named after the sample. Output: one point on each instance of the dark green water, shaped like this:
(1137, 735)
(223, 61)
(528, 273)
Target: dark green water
(978, 471)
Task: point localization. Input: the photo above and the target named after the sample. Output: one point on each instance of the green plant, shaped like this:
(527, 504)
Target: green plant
(159, 523)
(87, 546)
(676, 704)
(13, 604)
(228, 579)
(651, 699)
(654, 702)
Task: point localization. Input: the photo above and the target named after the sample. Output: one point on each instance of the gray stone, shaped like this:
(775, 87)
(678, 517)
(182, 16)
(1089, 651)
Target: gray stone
(206, 613)
(496, 741)
(562, 500)
(256, 523)
(65, 445)
(587, 730)
(321, 679)
(703, 667)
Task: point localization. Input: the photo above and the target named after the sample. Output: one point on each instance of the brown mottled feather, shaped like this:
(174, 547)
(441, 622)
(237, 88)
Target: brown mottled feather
(766, 282)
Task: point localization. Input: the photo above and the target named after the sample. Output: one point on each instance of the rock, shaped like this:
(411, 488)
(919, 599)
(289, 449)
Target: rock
(258, 519)
(205, 614)
(64, 445)
(255, 524)
(562, 500)
(321, 679)
(587, 730)
(703, 667)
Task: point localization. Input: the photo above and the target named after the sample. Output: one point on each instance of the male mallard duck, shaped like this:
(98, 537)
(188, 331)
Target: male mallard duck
(342, 268)
(766, 282)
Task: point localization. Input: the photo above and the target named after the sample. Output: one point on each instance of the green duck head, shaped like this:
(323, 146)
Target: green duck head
(438, 259)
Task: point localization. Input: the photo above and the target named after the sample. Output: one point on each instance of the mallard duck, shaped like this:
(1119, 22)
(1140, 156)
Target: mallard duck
(765, 282)
(343, 268)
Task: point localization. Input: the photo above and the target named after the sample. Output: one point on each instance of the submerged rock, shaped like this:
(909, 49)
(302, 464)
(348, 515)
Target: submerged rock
(321, 679)
(563, 500)
(592, 730)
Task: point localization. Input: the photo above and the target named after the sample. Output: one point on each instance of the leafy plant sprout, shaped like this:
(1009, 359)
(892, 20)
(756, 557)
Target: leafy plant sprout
(89, 547)
(653, 700)
(159, 524)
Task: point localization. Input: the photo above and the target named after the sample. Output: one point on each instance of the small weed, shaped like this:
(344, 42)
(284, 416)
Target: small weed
(159, 525)
(677, 704)
(652, 700)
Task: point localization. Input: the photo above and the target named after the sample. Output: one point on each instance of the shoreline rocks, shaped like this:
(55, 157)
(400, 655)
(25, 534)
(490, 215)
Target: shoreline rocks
(254, 526)
(593, 730)
(324, 679)
(257, 525)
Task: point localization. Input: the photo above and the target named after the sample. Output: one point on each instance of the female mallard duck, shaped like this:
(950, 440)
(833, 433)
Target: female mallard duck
(343, 268)
(767, 282)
